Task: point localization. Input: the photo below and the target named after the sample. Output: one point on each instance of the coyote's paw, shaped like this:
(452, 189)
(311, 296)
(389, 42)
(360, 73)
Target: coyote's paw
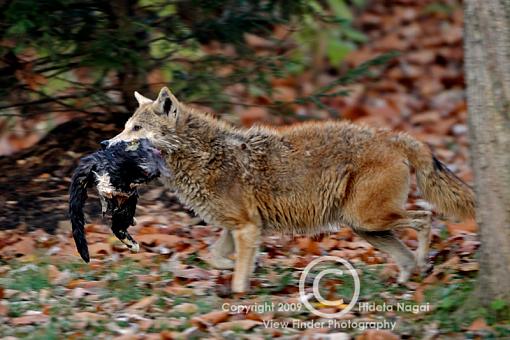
(406, 270)
(240, 286)
(424, 267)
(421, 263)
(403, 277)
(221, 263)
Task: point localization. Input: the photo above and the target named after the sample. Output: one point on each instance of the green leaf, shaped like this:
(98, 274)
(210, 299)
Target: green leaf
(358, 3)
(338, 50)
(498, 304)
(354, 35)
(340, 9)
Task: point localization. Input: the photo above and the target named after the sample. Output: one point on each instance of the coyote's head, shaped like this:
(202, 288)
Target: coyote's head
(154, 120)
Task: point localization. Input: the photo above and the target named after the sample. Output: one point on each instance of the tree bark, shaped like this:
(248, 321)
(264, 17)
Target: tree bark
(487, 68)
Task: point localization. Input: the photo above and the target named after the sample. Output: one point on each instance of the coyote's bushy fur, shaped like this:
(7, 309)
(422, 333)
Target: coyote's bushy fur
(306, 178)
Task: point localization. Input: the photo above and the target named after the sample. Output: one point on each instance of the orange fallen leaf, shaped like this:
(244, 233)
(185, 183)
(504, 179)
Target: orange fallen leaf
(309, 246)
(377, 334)
(143, 303)
(419, 295)
(145, 324)
(253, 115)
(211, 318)
(92, 284)
(466, 226)
(469, 267)
(159, 239)
(53, 273)
(74, 283)
(260, 316)
(479, 325)
(451, 263)
(168, 335)
(238, 324)
(3, 309)
(24, 246)
(179, 291)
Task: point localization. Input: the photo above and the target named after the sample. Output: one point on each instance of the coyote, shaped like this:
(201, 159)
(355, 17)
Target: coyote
(307, 178)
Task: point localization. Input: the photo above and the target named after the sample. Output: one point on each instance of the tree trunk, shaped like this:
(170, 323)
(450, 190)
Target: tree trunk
(487, 67)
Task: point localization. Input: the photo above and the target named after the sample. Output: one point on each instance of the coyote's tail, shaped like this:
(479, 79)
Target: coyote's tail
(77, 198)
(439, 185)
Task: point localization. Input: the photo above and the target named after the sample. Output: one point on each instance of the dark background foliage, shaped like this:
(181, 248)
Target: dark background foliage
(89, 56)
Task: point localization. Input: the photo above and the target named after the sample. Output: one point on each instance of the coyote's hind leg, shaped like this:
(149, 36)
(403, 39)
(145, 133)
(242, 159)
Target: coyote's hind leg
(388, 243)
(221, 249)
(421, 223)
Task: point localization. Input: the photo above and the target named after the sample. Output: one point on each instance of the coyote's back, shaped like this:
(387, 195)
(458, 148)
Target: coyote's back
(315, 176)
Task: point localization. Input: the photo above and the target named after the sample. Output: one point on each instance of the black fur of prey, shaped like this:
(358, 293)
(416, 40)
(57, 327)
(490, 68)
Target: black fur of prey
(116, 172)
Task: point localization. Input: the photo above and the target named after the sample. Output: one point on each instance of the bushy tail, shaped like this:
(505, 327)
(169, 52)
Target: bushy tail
(77, 198)
(439, 185)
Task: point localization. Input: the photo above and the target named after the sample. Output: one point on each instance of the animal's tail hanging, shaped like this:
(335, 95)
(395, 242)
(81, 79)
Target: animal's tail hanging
(450, 194)
(77, 198)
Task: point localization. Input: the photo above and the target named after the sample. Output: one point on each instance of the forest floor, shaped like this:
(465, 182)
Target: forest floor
(168, 290)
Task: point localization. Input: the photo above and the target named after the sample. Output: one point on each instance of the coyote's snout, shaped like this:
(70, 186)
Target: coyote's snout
(307, 178)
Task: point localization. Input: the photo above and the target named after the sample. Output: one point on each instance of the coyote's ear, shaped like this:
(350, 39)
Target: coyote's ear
(141, 99)
(166, 104)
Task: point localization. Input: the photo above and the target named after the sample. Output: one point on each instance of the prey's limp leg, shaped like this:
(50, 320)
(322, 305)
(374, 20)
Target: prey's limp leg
(125, 238)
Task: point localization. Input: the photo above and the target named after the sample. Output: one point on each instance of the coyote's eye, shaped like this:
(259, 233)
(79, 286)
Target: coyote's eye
(137, 128)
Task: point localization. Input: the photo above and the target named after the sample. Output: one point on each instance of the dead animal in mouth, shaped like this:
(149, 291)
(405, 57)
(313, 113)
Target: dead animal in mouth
(116, 172)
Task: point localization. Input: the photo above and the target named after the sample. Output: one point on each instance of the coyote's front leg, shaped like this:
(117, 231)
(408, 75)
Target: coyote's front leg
(246, 240)
(221, 249)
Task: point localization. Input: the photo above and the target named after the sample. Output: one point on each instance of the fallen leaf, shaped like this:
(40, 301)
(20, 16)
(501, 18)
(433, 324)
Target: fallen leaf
(53, 273)
(377, 334)
(253, 115)
(145, 324)
(87, 316)
(451, 263)
(469, 267)
(186, 308)
(419, 295)
(3, 309)
(24, 246)
(479, 325)
(178, 290)
(99, 249)
(86, 284)
(260, 316)
(159, 239)
(211, 318)
(143, 303)
(193, 273)
(238, 324)
(31, 317)
(466, 226)
(309, 246)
